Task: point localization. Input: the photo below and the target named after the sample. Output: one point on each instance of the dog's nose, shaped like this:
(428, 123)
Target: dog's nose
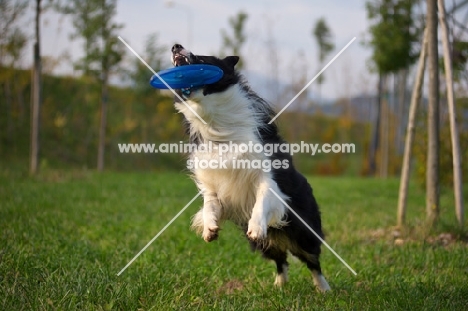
(176, 48)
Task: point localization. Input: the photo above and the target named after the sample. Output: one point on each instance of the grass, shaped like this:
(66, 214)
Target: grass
(65, 236)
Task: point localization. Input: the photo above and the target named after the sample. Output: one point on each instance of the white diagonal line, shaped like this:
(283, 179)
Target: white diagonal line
(159, 233)
(313, 79)
(312, 230)
(156, 74)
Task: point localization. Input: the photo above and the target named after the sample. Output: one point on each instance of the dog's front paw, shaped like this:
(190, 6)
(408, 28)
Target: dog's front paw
(256, 231)
(210, 233)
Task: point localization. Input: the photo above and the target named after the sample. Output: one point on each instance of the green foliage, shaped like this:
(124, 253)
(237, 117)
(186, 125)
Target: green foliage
(393, 33)
(12, 39)
(70, 116)
(112, 53)
(323, 37)
(14, 84)
(445, 153)
(65, 235)
(141, 114)
(154, 55)
(86, 25)
(69, 124)
(92, 21)
(460, 59)
(297, 127)
(232, 45)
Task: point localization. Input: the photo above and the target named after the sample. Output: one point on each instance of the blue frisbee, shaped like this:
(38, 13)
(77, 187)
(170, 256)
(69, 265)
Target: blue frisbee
(187, 76)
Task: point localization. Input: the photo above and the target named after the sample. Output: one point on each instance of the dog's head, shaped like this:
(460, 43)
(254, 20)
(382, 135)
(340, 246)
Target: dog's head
(182, 56)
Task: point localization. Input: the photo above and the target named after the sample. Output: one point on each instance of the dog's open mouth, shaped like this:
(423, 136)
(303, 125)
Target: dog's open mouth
(180, 60)
(181, 56)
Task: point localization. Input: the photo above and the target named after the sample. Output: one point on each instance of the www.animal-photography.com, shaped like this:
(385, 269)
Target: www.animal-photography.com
(233, 155)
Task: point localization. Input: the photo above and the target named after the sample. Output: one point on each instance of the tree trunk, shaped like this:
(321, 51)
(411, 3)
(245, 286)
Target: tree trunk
(36, 96)
(457, 170)
(385, 130)
(374, 145)
(415, 99)
(432, 170)
(104, 90)
(103, 122)
(9, 110)
(19, 87)
(401, 119)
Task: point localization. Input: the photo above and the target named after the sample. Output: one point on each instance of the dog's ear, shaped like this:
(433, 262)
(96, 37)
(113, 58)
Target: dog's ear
(231, 61)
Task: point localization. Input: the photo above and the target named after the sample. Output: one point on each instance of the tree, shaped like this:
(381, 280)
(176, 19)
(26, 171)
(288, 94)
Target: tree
(457, 167)
(232, 45)
(12, 43)
(432, 166)
(36, 94)
(415, 100)
(323, 37)
(110, 55)
(393, 33)
(436, 150)
(13, 38)
(93, 20)
(86, 25)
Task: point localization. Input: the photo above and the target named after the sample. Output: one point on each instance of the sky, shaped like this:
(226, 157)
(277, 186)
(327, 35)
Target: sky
(197, 25)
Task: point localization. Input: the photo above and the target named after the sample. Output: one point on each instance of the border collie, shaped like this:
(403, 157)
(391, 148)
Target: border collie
(236, 114)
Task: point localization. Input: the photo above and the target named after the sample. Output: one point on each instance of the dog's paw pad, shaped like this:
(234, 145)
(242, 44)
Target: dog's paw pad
(256, 232)
(210, 234)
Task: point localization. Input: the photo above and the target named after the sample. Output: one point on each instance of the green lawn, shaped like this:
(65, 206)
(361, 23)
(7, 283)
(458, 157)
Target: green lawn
(66, 235)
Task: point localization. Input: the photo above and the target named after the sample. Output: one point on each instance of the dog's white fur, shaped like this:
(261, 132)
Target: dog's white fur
(320, 282)
(239, 195)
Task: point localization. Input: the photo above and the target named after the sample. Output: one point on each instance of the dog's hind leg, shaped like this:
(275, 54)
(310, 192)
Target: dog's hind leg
(281, 265)
(320, 281)
(313, 263)
(279, 257)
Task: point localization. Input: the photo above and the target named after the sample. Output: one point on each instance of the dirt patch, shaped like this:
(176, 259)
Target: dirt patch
(230, 287)
(398, 237)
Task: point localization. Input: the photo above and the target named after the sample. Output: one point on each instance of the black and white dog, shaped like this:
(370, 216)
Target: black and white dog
(236, 114)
